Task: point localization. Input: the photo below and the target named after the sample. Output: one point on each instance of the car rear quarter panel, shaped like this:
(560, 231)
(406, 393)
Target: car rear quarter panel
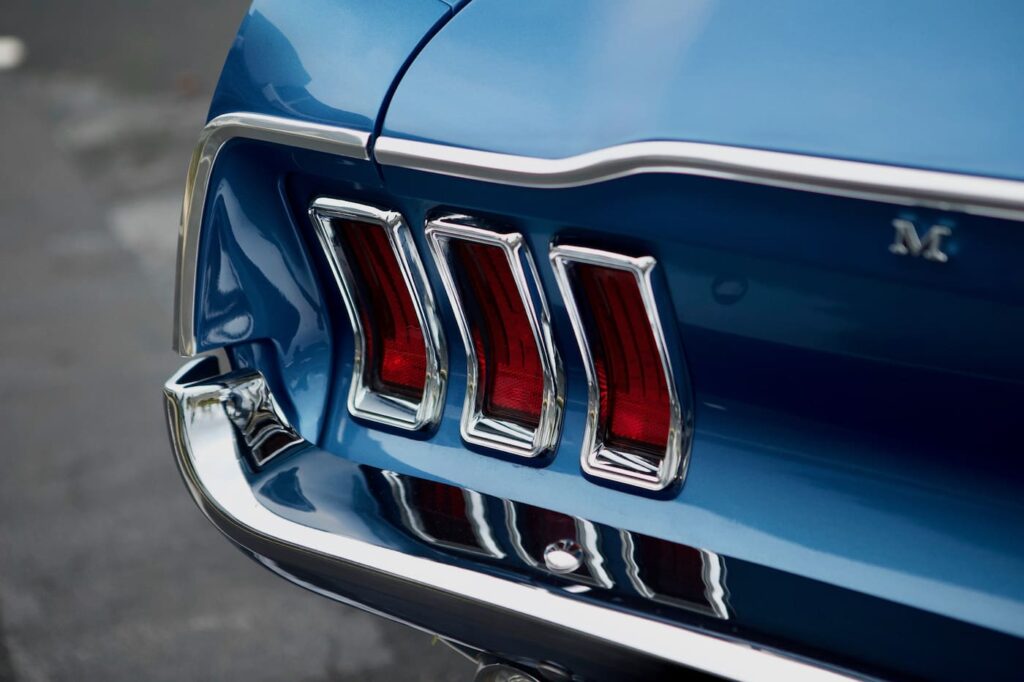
(856, 414)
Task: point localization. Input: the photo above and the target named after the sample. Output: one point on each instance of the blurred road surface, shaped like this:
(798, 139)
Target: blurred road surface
(107, 570)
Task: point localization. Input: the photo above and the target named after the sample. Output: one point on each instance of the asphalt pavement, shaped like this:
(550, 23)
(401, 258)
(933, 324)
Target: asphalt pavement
(107, 570)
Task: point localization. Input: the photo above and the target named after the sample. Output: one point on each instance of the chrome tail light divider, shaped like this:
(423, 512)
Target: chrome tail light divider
(477, 426)
(364, 400)
(651, 471)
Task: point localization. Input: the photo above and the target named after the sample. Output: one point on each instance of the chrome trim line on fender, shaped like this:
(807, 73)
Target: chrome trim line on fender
(476, 427)
(210, 456)
(892, 184)
(363, 400)
(216, 133)
(862, 180)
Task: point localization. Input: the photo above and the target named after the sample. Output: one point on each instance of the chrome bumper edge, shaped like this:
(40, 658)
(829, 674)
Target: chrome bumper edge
(208, 416)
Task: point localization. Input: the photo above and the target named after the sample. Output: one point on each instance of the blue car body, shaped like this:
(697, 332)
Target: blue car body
(855, 460)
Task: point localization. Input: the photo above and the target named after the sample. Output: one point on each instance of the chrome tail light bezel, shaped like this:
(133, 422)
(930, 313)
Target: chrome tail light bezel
(476, 427)
(596, 457)
(363, 401)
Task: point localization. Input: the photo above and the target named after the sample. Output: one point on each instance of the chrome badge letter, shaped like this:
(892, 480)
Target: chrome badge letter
(907, 243)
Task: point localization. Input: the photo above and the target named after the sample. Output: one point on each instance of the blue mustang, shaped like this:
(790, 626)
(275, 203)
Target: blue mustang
(621, 340)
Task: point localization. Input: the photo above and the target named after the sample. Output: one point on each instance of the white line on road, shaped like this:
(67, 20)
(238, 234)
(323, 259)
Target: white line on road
(12, 52)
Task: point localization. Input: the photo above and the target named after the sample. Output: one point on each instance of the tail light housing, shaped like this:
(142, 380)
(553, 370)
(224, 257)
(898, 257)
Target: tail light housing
(400, 363)
(514, 392)
(637, 430)
(443, 515)
(531, 529)
(675, 575)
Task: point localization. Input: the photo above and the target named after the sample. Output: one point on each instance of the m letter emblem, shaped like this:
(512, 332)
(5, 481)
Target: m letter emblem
(908, 243)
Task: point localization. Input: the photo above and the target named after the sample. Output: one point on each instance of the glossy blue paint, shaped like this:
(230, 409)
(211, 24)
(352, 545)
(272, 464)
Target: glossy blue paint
(826, 441)
(906, 83)
(764, 605)
(257, 282)
(857, 413)
(322, 60)
(815, 392)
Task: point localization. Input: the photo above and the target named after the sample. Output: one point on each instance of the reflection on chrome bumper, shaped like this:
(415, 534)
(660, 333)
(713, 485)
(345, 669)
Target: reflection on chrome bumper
(214, 448)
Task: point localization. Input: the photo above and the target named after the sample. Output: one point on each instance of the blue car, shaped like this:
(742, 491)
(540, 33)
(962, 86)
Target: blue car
(621, 340)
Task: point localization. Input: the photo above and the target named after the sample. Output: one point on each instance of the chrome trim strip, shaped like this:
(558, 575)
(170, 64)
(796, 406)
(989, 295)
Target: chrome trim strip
(477, 427)
(321, 138)
(211, 460)
(586, 535)
(712, 573)
(891, 184)
(363, 401)
(596, 458)
(260, 423)
(486, 546)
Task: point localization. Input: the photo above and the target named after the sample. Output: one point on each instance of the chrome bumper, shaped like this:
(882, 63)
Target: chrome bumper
(219, 422)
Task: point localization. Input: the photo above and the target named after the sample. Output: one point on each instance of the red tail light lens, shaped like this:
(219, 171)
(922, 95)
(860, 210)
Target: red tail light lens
(635, 406)
(669, 569)
(400, 363)
(514, 376)
(511, 380)
(676, 574)
(533, 529)
(443, 515)
(538, 528)
(635, 429)
(442, 511)
(396, 354)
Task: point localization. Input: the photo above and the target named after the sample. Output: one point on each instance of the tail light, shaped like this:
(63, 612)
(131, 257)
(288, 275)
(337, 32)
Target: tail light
(636, 431)
(400, 361)
(514, 376)
(443, 515)
(674, 574)
(532, 529)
